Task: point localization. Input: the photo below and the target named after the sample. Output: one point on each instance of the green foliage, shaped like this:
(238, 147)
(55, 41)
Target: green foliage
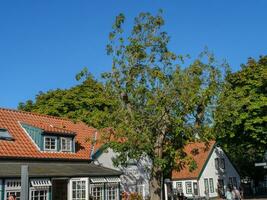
(161, 105)
(86, 102)
(241, 120)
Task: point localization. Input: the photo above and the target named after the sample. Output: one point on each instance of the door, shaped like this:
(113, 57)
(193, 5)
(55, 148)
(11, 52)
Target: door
(195, 188)
(221, 187)
(60, 189)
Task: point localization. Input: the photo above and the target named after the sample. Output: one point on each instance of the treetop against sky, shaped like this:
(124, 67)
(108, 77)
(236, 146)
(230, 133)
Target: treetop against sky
(45, 43)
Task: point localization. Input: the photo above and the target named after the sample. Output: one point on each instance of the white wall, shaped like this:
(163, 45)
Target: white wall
(133, 175)
(211, 172)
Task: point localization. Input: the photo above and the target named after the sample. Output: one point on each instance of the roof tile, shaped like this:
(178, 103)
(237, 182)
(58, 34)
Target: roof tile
(23, 147)
(203, 151)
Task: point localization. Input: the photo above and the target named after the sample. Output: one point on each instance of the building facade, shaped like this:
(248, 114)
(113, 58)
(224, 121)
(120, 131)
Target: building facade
(213, 175)
(135, 176)
(58, 156)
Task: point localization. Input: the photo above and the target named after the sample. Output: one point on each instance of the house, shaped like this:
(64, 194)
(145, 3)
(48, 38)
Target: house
(135, 176)
(58, 156)
(213, 174)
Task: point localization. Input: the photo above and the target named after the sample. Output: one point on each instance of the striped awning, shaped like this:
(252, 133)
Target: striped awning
(113, 179)
(41, 183)
(98, 180)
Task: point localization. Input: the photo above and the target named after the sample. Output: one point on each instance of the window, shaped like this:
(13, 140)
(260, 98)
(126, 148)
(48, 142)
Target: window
(188, 186)
(217, 163)
(179, 187)
(112, 191)
(140, 189)
(12, 187)
(97, 191)
(222, 163)
(16, 193)
(38, 194)
(206, 184)
(79, 189)
(66, 144)
(234, 181)
(5, 135)
(50, 143)
(230, 180)
(211, 185)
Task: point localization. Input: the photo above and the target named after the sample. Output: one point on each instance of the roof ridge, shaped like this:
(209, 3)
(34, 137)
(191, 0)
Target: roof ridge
(37, 114)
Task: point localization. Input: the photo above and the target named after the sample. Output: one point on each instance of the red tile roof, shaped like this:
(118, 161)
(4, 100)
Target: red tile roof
(23, 147)
(200, 152)
(50, 128)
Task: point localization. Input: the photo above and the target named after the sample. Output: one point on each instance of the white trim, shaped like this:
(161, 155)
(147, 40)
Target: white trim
(70, 192)
(46, 190)
(188, 185)
(56, 144)
(68, 139)
(40, 183)
(98, 180)
(12, 184)
(113, 179)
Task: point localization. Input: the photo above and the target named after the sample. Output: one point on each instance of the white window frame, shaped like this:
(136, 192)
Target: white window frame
(50, 137)
(67, 139)
(206, 185)
(112, 187)
(85, 180)
(179, 186)
(12, 186)
(211, 185)
(45, 190)
(140, 189)
(188, 187)
(102, 190)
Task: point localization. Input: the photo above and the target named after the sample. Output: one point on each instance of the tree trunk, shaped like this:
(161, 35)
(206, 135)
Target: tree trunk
(155, 184)
(156, 173)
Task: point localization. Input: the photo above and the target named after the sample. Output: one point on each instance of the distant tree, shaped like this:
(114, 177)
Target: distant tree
(86, 102)
(241, 116)
(161, 105)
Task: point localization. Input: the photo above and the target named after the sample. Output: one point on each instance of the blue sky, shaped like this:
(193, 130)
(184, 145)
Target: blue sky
(43, 44)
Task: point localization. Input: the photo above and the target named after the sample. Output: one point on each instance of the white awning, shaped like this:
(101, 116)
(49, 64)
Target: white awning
(113, 179)
(41, 183)
(98, 180)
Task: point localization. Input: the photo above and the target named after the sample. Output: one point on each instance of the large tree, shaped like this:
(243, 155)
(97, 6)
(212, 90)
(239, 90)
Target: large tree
(153, 101)
(161, 105)
(241, 116)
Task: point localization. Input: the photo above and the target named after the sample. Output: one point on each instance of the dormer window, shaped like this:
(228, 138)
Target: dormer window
(50, 143)
(5, 135)
(66, 144)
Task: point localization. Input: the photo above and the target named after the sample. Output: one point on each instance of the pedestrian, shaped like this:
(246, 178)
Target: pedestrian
(241, 191)
(236, 194)
(228, 194)
(12, 197)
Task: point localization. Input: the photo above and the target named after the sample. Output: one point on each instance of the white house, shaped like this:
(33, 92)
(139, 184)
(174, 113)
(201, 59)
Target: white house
(134, 178)
(213, 174)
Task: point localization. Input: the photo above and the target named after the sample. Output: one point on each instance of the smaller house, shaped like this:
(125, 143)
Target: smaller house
(213, 174)
(135, 176)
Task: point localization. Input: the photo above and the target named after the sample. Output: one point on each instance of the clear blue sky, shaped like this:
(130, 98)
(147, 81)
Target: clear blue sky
(44, 43)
